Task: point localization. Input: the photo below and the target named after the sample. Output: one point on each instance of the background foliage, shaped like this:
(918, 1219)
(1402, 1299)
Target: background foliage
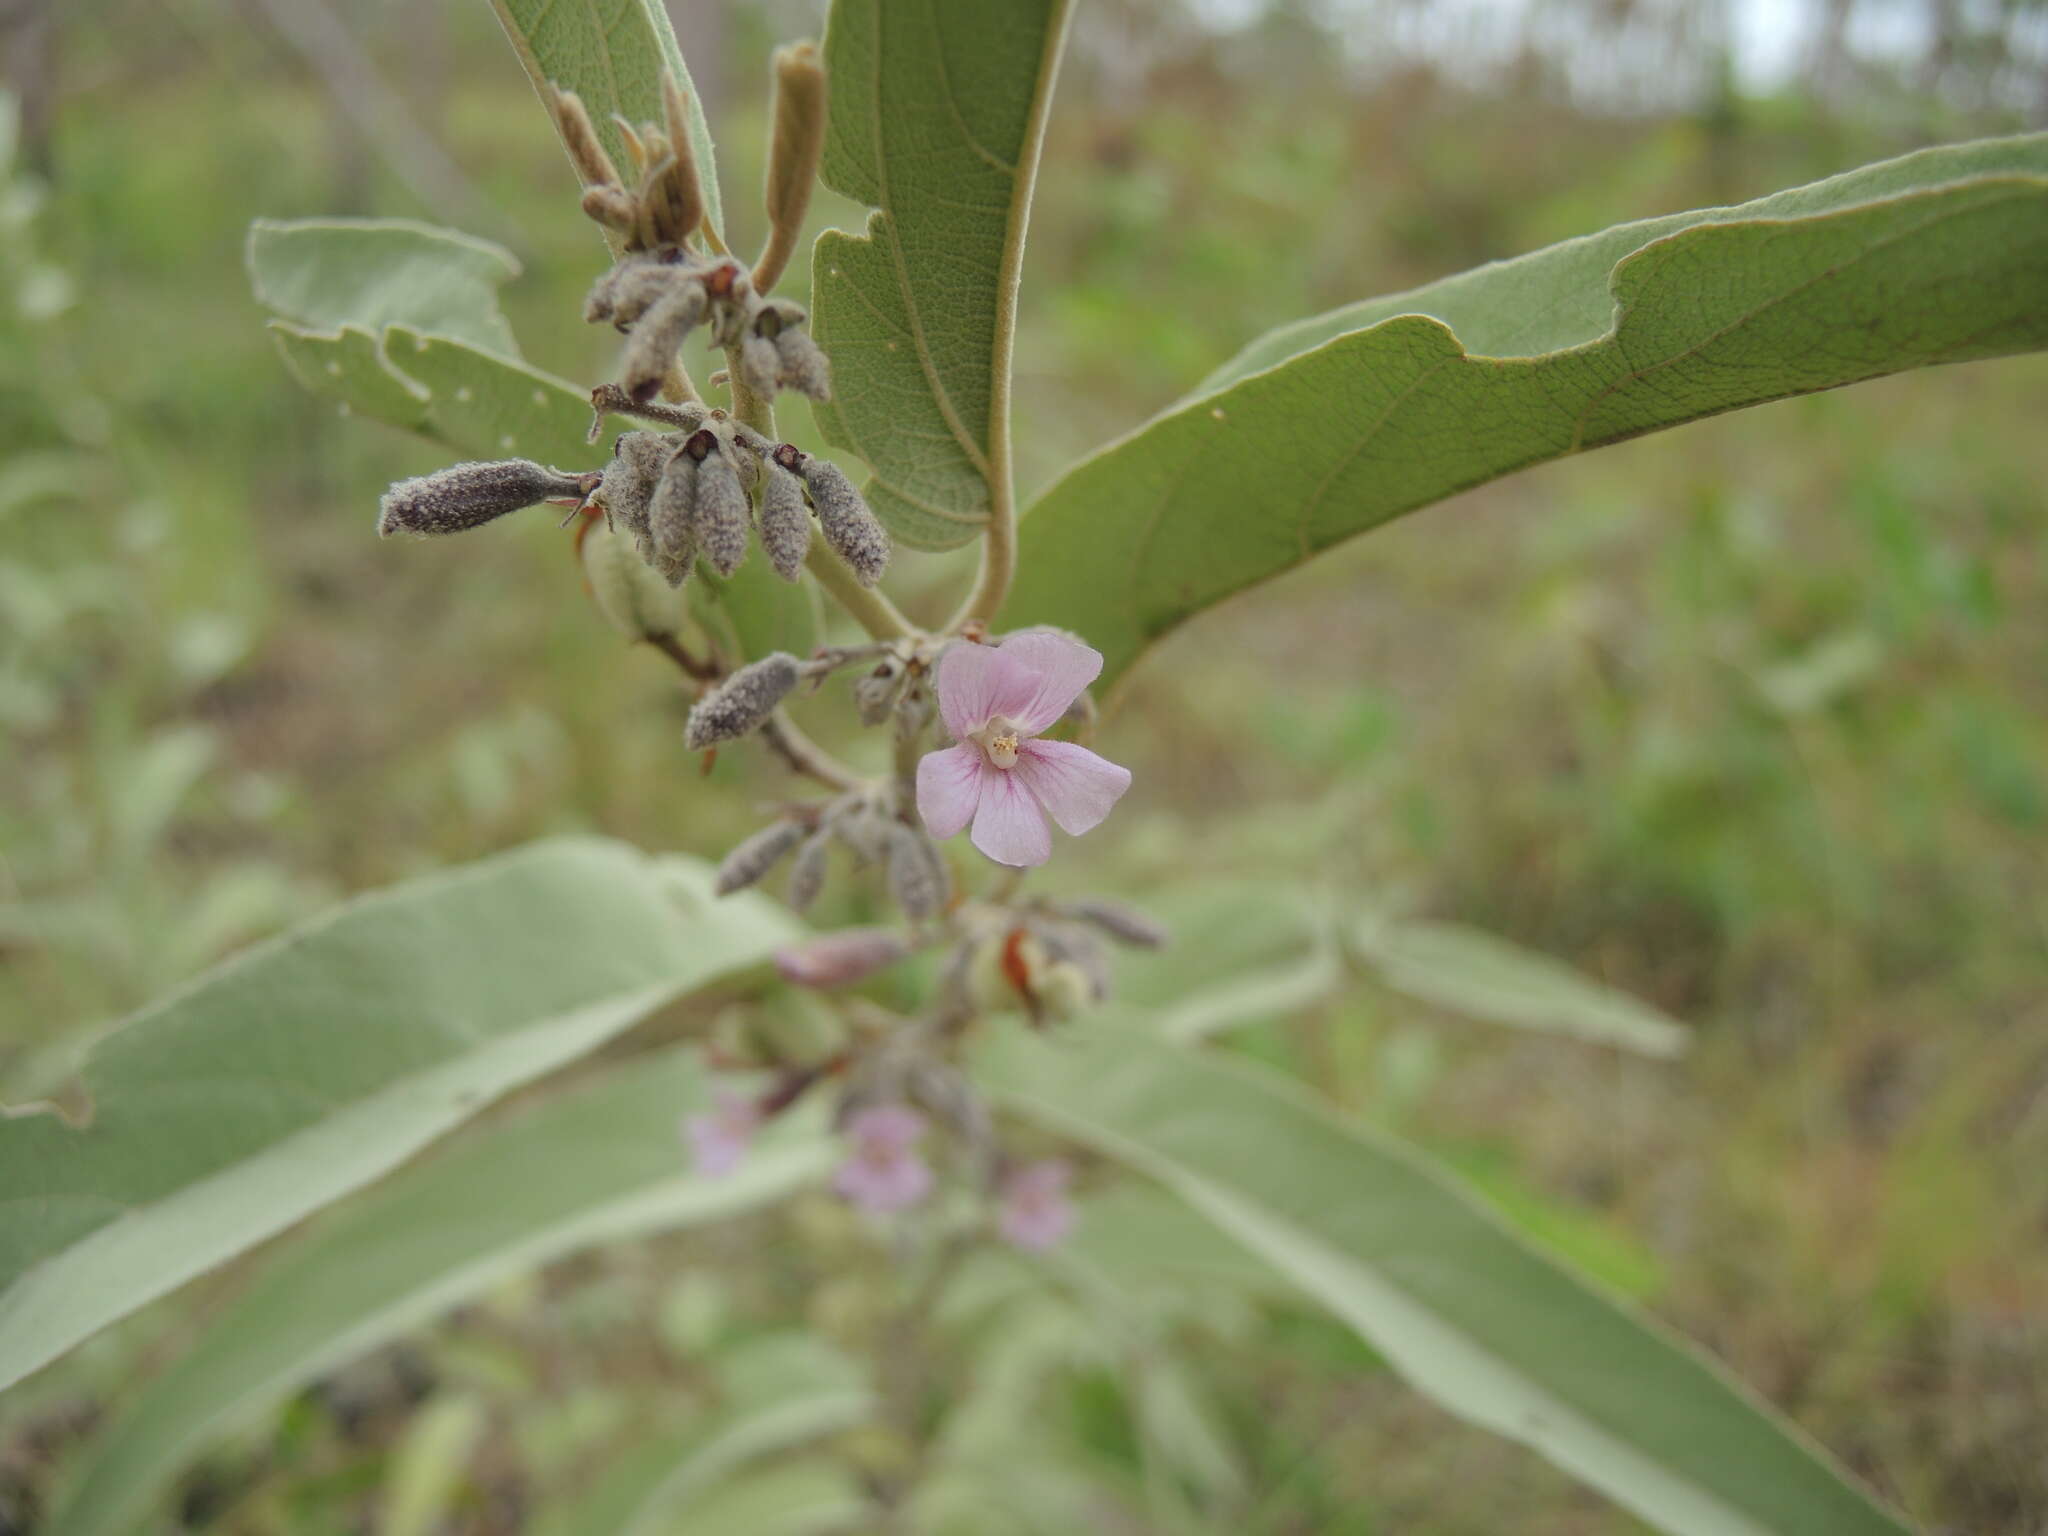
(1746, 719)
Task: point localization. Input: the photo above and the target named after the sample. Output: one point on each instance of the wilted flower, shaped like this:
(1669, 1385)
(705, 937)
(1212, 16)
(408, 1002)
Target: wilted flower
(884, 1174)
(719, 1139)
(1036, 1213)
(995, 700)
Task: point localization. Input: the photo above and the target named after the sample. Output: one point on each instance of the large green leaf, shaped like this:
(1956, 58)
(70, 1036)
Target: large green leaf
(321, 273)
(1331, 427)
(600, 1165)
(612, 56)
(309, 1066)
(1485, 977)
(782, 1390)
(937, 116)
(1495, 1332)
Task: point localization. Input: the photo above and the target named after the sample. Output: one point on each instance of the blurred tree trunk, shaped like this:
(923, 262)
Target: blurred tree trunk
(28, 42)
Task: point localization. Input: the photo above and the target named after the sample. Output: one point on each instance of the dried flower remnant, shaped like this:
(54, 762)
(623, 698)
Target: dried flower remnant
(884, 1174)
(719, 1139)
(995, 701)
(1036, 1214)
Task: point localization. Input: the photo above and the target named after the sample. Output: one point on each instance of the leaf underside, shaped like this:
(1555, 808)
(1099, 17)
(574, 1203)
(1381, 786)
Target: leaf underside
(935, 121)
(601, 1165)
(307, 1067)
(1493, 1331)
(1331, 427)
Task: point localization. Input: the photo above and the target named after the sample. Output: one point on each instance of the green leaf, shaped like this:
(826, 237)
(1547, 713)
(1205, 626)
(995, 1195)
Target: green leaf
(1483, 977)
(1240, 951)
(325, 273)
(1334, 426)
(595, 1167)
(612, 56)
(1471, 1316)
(936, 120)
(782, 1392)
(307, 1067)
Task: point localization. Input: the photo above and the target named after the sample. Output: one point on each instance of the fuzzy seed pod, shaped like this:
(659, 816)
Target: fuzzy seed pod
(740, 703)
(785, 522)
(914, 710)
(807, 874)
(840, 959)
(631, 596)
(875, 695)
(843, 517)
(1127, 925)
(760, 366)
(467, 496)
(629, 482)
(721, 510)
(918, 877)
(864, 830)
(672, 522)
(630, 289)
(652, 346)
(802, 364)
(752, 859)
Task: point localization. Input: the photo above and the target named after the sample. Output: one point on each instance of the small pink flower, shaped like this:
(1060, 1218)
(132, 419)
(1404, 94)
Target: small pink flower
(1036, 1213)
(996, 699)
(884, 1174)
(719, 1140)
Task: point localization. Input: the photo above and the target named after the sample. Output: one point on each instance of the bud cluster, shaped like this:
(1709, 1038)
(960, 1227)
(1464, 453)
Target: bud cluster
(866, 824)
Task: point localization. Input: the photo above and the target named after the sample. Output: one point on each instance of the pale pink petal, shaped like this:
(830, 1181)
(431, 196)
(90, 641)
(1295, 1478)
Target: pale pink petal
(1009, 827)
(978, 683)
(1062, 667)
(894, 1184)
(949, 788)
(840, 959)
(885, 1128)
(719, 1140)
(1071, 782)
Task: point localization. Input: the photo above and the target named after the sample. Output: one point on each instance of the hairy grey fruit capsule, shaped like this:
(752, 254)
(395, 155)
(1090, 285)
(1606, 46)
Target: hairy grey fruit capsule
(753, 858)
(802, 364)
(740, 703)
(655, 339)
(807, 874)
(721, 510)
(785, 522)
(629, 482)
(466, 496)
(1127, 925)
(843, 517)
(918, 877)
(672, 521)
(875, 695)
(630, 289)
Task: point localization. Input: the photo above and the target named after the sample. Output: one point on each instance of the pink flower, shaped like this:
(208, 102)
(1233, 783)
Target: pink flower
(842, 958)
(1036, 1213)
(718, 1140)
(996, 699)
(884, 1174)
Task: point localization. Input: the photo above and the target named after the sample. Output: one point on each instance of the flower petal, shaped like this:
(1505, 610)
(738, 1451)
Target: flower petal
(1071, 782)
(949, 788)
(1062, 667)
(1009, 827)
(979, 682)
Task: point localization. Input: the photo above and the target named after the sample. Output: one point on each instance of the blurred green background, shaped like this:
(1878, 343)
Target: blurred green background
(1750, 718)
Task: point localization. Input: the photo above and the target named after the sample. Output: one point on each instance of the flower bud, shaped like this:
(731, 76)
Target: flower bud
(740, 703)
(629, 482)
(594, 167)
(794, 149)
(1125, 924)
(785, 522)
(807, 874)
(918, 876)
(675, 196)
(630, 289)
(802, 364)
(672, 522)
(840, 959)
(760, 366)
(914, 710)
(631, 597)
(875, 695)
(722, 508)
(651, 348)
(466, 496)
(843, 517)
(752, 859)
